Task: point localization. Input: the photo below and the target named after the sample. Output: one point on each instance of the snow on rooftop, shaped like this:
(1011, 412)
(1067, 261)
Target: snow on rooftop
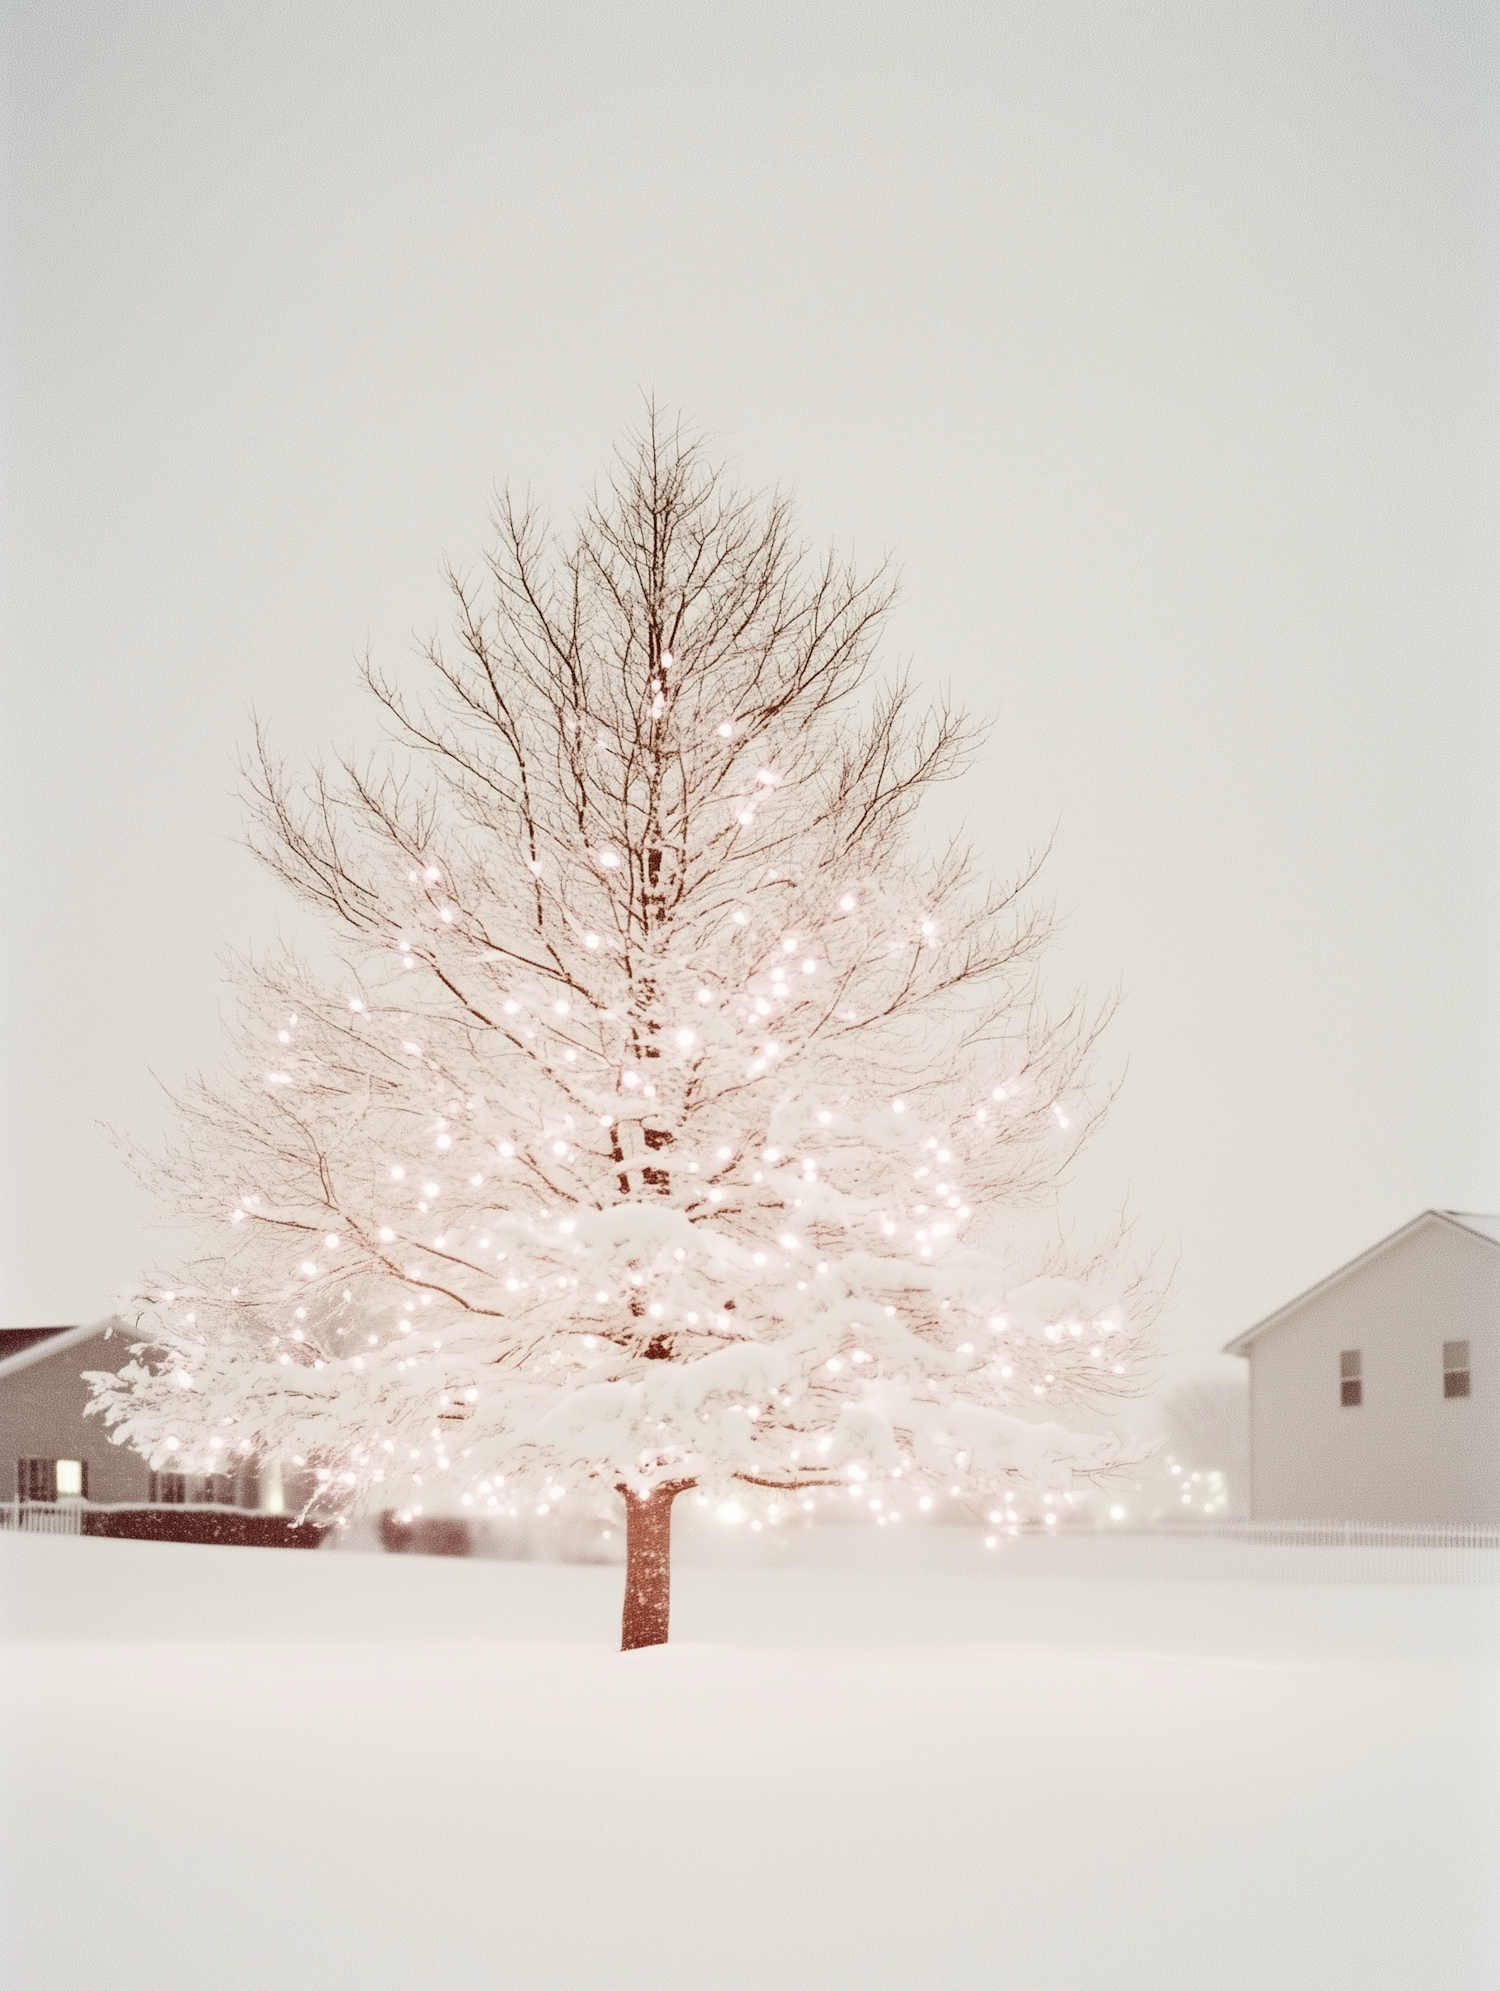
(1472, 1221)
(49, 1342)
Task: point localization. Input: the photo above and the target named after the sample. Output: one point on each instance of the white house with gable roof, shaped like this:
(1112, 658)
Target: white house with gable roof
(1375, 1396)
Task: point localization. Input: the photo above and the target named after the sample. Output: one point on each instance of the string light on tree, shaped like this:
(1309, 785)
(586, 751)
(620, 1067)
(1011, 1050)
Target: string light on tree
(654, 1241)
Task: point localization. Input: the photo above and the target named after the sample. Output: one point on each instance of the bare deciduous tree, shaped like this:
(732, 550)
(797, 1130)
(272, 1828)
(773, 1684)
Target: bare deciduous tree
(669, 1124)
(1205, 1467)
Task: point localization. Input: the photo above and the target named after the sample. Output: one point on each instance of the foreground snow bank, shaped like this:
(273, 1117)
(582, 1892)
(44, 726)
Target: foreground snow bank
(248, 1769)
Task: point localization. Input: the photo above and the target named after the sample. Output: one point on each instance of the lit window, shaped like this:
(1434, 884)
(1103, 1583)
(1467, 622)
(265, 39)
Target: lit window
(46, 1480)
(1351, 1384)
(1455, 1368)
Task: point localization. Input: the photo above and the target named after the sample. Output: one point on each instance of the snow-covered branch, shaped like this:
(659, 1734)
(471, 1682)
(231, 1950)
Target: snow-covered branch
(673, 1117)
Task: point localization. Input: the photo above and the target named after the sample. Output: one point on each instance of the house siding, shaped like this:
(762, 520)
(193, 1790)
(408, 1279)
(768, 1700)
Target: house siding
(42, 1417)
(1407, 1453)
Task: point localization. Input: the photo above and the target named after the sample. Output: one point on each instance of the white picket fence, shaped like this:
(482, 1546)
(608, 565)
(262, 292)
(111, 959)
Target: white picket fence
(42, 1517)
(1277, 1551)
(1326, 1534)
(1269, 1551)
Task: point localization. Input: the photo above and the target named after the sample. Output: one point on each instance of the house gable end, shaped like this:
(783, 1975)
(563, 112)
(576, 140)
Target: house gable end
(1483, 1232)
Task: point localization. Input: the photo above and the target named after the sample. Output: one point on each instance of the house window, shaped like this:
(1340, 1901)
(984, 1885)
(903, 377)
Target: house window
(1455, 1368)
(47, 1480)
(1351, 1383)
(178, 1489)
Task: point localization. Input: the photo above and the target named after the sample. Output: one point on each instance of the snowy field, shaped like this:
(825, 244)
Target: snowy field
(886, 1766)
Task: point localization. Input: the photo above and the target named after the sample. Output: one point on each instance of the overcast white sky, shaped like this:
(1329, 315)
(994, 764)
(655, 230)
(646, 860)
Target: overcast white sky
(1156, 341)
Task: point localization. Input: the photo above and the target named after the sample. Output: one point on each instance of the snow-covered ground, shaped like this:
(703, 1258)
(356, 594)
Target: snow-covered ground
(898, 1767)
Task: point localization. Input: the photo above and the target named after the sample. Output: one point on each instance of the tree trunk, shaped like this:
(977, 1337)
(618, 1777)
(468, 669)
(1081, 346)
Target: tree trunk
(648, 1564)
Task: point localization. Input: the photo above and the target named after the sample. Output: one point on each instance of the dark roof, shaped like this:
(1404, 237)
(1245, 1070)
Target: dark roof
(49, 1342)
(14, 1339)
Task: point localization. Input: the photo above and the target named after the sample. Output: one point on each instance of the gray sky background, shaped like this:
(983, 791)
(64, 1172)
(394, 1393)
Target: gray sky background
(1156, 341)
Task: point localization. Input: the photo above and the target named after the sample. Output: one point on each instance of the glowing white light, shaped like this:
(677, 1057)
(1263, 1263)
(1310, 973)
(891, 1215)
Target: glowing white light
(609, 860)
(685, 1040)
(355, 1003)
(898, 1105)
(847, 903)
(726, 729)
(742, 918)
(429, 1189)
(833, 1364)
(562, 1006)
(397, 1174)
(768, 777)
(591, 940)
(433, 875)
